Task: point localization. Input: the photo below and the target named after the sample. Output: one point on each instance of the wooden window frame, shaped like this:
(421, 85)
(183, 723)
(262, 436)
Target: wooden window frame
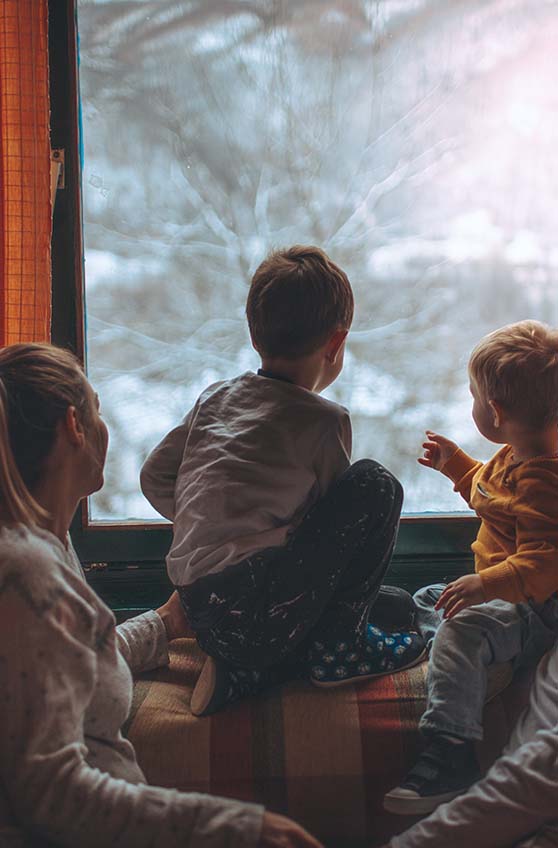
(127, 559)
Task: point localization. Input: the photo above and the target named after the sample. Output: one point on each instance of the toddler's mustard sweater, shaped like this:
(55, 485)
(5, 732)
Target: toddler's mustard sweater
(516, 549)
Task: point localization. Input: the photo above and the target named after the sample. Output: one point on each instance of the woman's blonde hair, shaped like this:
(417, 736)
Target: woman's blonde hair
(38, 382)
(517, 367)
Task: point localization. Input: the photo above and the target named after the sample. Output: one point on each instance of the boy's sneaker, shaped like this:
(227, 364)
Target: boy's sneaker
(446, 768)
(382, 653)
(219, 685)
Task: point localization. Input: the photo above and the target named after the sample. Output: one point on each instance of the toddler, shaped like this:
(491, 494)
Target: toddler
(507, 610)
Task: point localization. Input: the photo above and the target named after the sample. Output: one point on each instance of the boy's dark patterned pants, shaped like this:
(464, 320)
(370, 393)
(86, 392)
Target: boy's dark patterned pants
(268, 609)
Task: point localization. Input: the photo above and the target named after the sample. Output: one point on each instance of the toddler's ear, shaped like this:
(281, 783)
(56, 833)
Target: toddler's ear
(496, 413)
(335, 344)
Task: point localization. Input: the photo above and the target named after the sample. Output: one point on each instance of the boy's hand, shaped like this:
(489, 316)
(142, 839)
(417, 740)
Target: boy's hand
(437, 450)
(462, 593)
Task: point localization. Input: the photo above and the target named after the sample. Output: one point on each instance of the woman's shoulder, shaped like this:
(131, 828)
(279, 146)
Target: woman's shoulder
(40, 574)
(27, 552)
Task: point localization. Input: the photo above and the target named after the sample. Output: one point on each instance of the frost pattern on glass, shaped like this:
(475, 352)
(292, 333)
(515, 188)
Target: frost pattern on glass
(415, 141)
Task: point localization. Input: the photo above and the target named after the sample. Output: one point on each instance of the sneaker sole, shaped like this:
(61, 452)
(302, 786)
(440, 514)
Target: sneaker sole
(332, 684)
(204, 688)
(409, 805)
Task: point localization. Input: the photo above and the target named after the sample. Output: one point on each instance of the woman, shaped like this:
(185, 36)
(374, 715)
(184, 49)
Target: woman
(67, 775)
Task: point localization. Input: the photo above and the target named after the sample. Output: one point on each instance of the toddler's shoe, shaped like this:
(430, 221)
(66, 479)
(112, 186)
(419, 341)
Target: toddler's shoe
(383, 653)
(446, 768)
(219, 685)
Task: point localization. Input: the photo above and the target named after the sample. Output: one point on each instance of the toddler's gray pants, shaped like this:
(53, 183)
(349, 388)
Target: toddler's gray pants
(463, 647)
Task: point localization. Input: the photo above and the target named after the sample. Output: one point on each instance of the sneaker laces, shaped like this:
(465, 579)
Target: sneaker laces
(440, 756)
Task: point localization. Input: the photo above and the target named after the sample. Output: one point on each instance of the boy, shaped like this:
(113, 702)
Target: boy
(279, 544)
(507, 610)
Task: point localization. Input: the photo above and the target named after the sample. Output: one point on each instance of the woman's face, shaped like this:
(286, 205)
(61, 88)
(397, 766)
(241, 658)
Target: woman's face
(96, 444)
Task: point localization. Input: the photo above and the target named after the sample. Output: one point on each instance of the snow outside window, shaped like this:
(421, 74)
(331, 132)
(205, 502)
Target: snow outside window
(415, 140)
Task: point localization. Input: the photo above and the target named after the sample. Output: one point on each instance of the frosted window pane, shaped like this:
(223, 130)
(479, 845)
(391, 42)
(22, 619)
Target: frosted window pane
(415, 141)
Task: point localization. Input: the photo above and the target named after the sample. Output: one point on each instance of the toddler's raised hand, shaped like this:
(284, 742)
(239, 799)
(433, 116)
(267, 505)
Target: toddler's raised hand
(437, 450)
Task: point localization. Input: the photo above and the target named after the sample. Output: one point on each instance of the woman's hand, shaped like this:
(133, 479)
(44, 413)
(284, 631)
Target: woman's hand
(460, 594)
(437, 450)
(280, 832)
(174, 619)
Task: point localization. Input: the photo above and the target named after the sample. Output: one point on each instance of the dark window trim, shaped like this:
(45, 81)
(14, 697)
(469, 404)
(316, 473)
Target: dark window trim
(432, 547)
(67, 327)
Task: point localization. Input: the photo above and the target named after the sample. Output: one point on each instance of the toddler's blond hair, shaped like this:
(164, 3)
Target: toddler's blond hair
(517, 367)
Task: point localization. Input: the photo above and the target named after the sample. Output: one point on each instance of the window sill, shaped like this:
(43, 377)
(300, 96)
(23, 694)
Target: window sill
(127, 566)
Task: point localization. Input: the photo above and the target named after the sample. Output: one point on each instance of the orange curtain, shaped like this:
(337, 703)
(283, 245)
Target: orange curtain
(25, 205)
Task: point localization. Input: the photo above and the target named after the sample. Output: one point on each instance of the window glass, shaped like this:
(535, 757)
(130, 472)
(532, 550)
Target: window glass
(414, 140)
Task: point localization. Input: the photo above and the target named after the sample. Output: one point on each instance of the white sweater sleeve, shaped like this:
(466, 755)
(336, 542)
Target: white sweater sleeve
(518, 796)
(160, 469)
(142, 641)
(49, 674)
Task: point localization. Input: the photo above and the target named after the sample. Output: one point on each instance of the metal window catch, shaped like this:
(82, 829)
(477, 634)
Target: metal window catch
(96, 566)
(58, 160)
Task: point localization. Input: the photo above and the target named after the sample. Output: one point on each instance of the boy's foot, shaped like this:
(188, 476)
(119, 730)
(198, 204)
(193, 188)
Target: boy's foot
(219, 685)
(393, 609)
(383, 653)
(446, 768)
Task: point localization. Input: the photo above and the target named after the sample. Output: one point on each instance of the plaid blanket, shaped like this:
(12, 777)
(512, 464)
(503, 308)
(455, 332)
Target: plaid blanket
(325, 758)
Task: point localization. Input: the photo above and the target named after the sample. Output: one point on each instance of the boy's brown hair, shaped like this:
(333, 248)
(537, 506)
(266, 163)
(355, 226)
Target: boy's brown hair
(517, 367)
(298, 298)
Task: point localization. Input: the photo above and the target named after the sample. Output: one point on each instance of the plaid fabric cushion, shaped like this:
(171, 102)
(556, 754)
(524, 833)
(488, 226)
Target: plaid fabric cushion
(325, 758)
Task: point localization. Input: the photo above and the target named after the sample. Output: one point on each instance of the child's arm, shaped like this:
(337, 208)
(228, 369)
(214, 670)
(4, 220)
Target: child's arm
(334, 455)
(528, 574)
(531, 573)
(445, 456)
(160, 469)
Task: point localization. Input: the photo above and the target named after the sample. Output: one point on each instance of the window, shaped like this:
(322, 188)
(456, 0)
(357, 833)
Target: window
(413, 140)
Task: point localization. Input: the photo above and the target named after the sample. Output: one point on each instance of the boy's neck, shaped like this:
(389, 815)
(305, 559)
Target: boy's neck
(306, 371)
(530, 444)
